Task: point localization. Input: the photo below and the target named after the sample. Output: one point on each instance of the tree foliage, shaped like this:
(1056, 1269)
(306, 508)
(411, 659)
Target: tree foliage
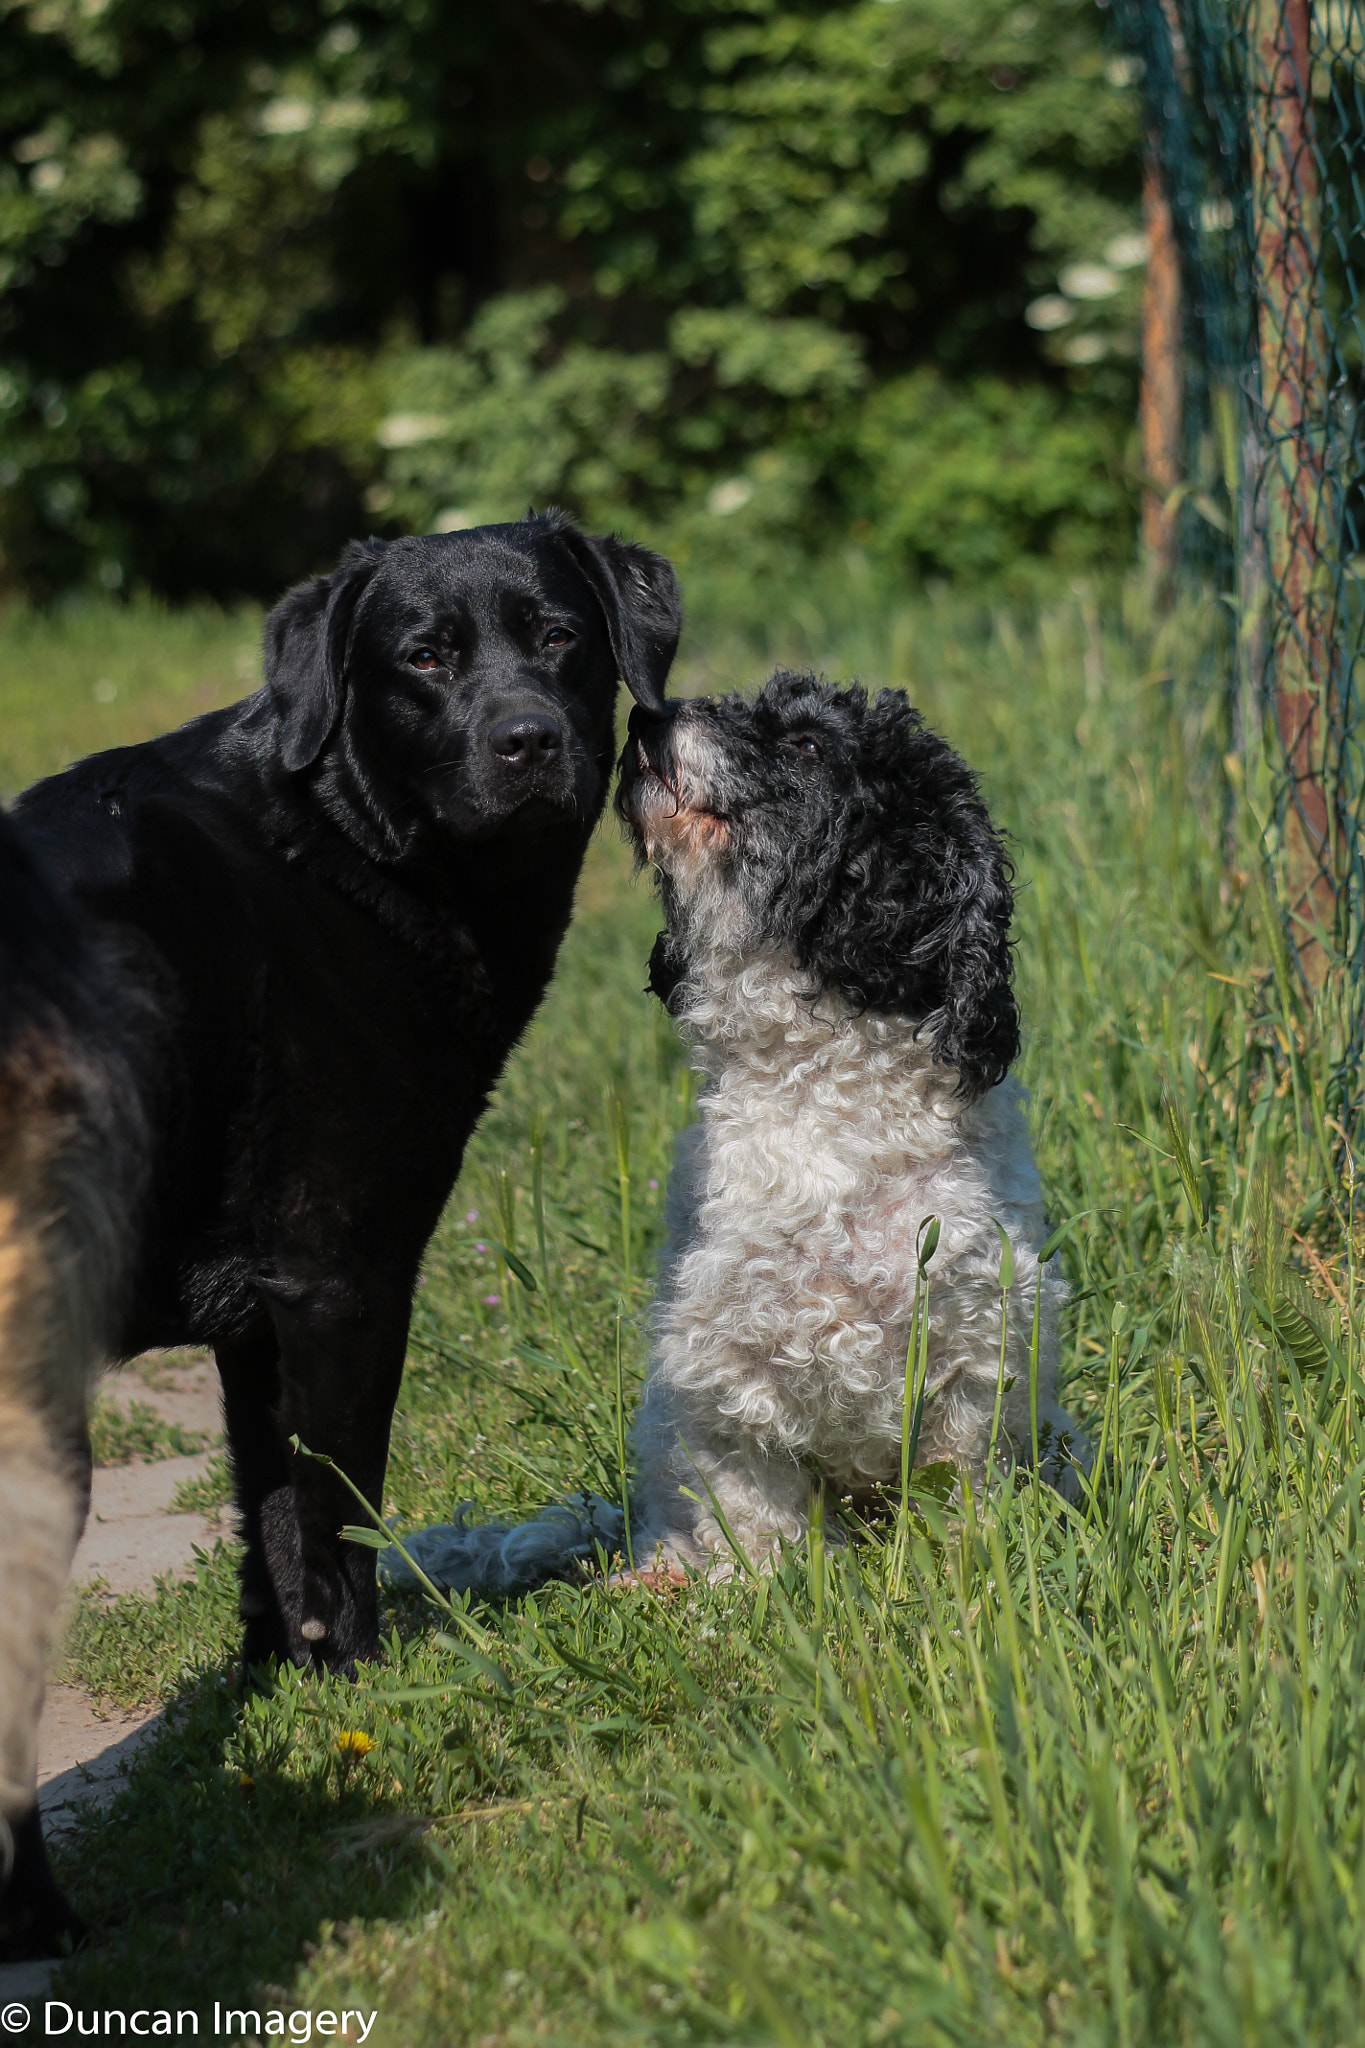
(270, 273)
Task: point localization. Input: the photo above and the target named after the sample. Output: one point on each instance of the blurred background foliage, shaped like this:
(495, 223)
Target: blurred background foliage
(754, 280)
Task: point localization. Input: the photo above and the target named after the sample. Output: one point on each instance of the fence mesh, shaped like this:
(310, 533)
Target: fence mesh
(1256, 166)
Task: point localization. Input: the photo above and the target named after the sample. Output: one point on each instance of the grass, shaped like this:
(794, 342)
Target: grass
(1086, 1776)
(207, 1494)
(103, 675)
(118, 1435)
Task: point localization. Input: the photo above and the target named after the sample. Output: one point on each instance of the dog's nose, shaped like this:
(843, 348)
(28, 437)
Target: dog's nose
(527, 741)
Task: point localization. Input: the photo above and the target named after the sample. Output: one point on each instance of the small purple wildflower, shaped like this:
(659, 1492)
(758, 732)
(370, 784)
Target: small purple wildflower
(481, 1247)
(491, 1300)
(471, 1215)
(654, 1183)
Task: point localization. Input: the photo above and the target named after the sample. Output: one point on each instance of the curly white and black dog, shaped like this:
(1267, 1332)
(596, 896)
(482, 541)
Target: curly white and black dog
(838, 957)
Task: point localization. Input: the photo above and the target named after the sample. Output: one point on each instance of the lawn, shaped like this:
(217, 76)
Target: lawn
(1087, 1775)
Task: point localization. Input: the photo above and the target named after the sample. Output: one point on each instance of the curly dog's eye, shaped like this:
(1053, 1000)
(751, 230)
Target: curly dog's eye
(807, 744)
(558, 636)
(425, 658)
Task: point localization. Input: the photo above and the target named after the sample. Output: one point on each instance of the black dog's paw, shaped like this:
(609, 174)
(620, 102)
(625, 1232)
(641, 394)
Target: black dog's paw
(267, 1652)
(265, 1643)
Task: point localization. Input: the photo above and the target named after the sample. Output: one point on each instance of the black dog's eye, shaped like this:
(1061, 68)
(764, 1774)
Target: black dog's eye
(807, 744)
(424, 658)
(558, 636)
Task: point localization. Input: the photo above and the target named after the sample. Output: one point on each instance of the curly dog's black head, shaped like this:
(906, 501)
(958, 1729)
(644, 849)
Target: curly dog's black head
(817, 820)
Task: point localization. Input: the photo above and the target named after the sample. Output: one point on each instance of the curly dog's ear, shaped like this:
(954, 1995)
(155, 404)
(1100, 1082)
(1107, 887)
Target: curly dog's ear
(305, 652)
(640, 601)
(975, 1026)
(918, 898)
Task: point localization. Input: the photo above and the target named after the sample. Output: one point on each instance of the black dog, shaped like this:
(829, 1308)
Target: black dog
(341, 902)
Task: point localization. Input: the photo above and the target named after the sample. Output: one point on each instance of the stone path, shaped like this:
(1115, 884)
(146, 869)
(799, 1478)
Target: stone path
(132, 1537)
(83, 1756)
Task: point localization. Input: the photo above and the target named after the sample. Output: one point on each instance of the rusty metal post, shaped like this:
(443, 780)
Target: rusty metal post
(1294, 503)
(1160, 398)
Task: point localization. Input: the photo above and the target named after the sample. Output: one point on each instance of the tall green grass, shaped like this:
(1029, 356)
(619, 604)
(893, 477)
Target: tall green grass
(102, 675)
(1027, 1773)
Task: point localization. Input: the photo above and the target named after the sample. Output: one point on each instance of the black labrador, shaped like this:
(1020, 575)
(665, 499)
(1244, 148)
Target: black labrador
(339, 903)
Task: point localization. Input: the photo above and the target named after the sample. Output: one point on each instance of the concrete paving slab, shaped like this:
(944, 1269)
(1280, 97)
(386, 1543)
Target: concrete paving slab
(181, 1386)
(131, 1537)
(120, 1491)
(26, 1983)
(84, 1756)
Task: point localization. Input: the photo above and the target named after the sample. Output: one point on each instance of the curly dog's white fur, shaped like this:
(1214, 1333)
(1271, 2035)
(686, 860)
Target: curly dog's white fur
(837, 954)
(824, 1140)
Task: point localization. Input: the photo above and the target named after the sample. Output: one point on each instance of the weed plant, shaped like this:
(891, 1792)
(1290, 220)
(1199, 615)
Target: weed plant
(119, 1434)
(1019, 1773)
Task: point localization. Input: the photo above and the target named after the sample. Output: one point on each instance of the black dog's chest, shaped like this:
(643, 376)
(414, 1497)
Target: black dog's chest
(334, 1167)
(338, 1115)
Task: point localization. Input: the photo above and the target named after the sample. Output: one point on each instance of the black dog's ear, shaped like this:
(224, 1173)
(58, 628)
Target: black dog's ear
(641, 603)
(305, 652)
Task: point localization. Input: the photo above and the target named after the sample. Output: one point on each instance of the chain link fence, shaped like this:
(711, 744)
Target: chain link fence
(1254, 373)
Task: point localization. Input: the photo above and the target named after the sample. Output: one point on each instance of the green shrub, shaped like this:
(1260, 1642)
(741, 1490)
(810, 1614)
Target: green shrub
(629, 258)
(984, 478)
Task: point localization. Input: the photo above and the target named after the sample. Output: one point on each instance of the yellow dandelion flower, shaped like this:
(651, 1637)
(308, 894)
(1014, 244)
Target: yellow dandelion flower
(354, 1743)
(247, 1782)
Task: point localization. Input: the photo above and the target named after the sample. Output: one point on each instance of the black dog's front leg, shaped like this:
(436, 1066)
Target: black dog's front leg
(249, 1368)
(339, 1374)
